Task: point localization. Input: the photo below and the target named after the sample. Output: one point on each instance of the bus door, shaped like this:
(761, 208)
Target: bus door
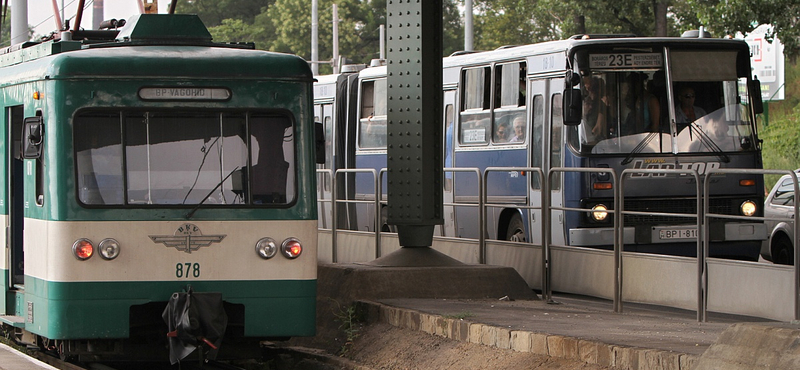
(15, 191)
(538, 150)
(556, 159)
(449, 227)
(323, 112)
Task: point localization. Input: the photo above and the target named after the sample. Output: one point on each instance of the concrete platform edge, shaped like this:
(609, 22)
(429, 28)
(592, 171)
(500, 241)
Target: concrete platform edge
(592, 352)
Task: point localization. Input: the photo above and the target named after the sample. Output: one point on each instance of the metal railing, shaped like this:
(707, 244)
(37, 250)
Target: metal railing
(707, 216)
(547, 226)
(701, 230)
(618, 211)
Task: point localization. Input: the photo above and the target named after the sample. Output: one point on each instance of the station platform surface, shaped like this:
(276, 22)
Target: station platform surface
(12, 359)
(490, 307)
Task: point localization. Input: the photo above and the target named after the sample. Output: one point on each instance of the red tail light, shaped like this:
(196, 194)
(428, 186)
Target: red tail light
(83, 249)
(291, 248)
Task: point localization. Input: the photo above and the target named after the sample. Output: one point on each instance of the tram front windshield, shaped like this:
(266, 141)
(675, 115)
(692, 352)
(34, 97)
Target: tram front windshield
(627, 111)
(184, 158)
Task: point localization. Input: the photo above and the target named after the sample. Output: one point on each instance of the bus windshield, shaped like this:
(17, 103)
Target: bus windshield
(184, 158)
(628, 111)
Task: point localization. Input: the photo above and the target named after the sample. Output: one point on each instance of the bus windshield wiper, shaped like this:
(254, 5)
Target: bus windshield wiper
(196, 207)
(638, 149)
(709, 142)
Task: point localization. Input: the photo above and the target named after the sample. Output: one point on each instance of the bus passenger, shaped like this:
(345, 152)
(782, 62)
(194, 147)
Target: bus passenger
(500, 133)
(594, 109)
(519, 130)
(645, 114)
(687, 112)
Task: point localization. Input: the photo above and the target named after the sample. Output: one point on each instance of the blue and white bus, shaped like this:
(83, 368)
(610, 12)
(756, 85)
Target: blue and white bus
(625, 103)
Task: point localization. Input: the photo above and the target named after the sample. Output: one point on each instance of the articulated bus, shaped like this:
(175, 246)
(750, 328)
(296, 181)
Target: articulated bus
(589, 102)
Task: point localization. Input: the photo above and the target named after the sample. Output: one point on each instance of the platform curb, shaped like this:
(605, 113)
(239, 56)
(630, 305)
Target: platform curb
(559, 346)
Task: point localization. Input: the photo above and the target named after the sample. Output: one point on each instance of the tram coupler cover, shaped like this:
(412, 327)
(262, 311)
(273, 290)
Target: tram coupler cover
(194, 319)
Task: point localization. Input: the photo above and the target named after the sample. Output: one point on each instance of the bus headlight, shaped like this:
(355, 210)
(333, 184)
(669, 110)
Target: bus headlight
(599, 212)
(266, 248)
(109, 249)
(748, 208)
(83, 249)
(291, 248)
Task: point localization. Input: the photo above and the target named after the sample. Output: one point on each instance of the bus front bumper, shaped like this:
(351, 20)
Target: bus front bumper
(595, 237)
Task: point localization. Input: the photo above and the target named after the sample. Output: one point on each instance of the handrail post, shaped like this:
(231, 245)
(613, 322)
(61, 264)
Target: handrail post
(796, 254)
(547, 215)
(619, 239)
(334, 218)
(702, 247)
(482, 218)
(378, 184)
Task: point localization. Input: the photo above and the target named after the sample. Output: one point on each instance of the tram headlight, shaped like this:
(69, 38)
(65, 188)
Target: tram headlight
(748, 208)
(83, 249)
(109, 249)
(599, 212)
(266, 248)
(291, 248)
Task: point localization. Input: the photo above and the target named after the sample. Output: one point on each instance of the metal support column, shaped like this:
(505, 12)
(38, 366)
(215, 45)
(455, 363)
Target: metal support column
(414, 115)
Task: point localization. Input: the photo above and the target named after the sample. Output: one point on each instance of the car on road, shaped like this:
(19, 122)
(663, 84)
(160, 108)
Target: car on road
(779, 204)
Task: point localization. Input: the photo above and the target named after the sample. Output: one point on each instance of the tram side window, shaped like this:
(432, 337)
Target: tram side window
(372, 120)
(272, 150)
(475, 112)
(98, 148)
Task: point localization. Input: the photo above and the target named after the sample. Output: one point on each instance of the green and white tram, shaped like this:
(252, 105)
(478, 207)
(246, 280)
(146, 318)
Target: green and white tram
(152, 177)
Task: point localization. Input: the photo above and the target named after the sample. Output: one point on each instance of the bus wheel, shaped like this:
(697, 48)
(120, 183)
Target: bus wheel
(385, 227)
(783, 251)
(516, 229)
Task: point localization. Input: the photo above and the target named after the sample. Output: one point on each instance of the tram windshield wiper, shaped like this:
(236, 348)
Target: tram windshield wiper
(196, 207)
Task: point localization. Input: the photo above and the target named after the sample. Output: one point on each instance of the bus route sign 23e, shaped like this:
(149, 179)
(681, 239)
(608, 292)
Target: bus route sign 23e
(626, 60)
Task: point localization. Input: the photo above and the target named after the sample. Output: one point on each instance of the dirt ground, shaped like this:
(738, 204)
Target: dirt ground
(344, 331)
(381, 346)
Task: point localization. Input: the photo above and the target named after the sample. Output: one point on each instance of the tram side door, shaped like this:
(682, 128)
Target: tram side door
(449, 227)
(15, 191)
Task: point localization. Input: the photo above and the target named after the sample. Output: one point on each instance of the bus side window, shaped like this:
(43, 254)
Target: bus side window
(509, 102)
(372, 122)
(557, 124)
(536, 137)
(475, 116)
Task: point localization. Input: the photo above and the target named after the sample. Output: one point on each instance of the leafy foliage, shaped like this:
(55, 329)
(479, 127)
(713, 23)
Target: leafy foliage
(730, 16)
(5, 31)
(781, 146)
(214, 12)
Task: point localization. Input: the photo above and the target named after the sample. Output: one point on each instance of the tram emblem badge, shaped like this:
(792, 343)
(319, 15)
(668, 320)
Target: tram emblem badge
(187, 238)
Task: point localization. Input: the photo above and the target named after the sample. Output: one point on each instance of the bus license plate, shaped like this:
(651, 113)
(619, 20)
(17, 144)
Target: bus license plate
(677, 233)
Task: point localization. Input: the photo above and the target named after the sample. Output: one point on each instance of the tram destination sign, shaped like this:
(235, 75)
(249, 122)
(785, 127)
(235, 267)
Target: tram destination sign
(626, 60)
(184, 93)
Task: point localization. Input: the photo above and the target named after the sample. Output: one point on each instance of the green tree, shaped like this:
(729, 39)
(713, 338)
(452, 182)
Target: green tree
(286, 27)
(5, 30)
(730, 16)
(502, 22)
(213, 12)
(234, 30)
(781, 149)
